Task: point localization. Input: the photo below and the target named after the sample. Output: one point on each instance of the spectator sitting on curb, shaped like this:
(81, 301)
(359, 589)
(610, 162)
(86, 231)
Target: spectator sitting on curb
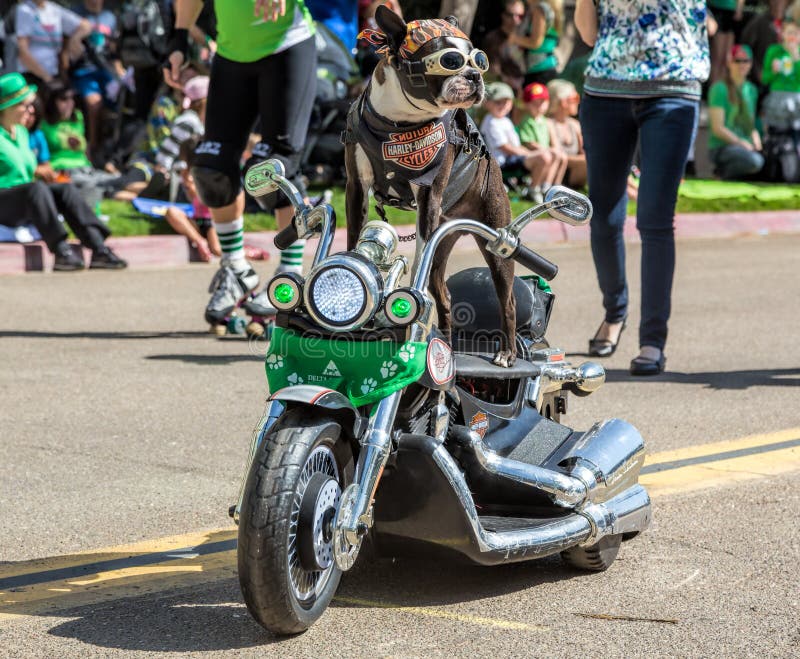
(734, 142)
(41, 27)
(503, 141)
(536, 133)
(567, 136)
(200, 229)
(25, 201)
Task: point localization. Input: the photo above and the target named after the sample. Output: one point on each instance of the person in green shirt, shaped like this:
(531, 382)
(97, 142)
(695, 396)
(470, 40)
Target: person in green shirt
(28, 201)
(781, 73)
(540, 38)
(534, 134)
(734, 142)
(265, 67)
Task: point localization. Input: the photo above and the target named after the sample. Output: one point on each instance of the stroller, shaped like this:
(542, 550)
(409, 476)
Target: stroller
(337, 72)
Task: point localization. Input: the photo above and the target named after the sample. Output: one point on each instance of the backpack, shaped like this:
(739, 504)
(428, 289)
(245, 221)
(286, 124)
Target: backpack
(143, 33)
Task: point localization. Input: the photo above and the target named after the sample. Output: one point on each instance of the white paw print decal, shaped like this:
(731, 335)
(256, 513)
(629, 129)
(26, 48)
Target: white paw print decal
(407, 352)
(368, 385)
(388, 370)
(274, 362)
(294, 379)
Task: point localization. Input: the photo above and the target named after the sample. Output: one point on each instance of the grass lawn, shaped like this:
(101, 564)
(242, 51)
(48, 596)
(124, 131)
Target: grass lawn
(697, 197)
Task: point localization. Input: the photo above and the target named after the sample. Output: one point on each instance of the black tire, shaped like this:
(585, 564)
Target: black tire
(595, 558)
(269, 584)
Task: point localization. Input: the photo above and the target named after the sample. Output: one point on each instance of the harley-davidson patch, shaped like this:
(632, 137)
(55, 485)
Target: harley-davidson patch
(479, 423)
(416, 149)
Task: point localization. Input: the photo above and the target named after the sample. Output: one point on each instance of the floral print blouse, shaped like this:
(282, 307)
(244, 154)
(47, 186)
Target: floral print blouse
(649, 48)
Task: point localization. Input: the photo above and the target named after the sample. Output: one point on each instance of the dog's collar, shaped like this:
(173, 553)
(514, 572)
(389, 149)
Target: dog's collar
(379, 123)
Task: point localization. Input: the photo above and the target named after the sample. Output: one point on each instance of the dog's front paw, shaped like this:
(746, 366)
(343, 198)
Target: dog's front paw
(504, 358)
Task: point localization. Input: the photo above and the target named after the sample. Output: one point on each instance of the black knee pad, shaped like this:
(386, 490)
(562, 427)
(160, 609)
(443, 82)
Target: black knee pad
(216, 173)
(290, 162)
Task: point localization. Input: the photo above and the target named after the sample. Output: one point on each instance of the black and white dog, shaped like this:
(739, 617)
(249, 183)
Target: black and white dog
(409, 139)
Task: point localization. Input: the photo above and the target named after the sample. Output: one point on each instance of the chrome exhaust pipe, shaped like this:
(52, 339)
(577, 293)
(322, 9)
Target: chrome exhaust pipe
(606, 460)
(627, 512)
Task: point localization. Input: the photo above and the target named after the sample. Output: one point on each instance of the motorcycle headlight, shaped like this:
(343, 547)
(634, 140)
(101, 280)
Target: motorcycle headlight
(343, 292)
(285, 291)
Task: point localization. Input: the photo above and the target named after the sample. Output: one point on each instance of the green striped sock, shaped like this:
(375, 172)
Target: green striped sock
(231, 239)
(292, 257)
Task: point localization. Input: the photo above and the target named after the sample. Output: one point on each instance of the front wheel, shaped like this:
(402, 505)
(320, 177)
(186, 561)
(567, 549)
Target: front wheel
(285, 553)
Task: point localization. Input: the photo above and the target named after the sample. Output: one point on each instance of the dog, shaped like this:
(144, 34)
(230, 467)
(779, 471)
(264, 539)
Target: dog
(410, 140)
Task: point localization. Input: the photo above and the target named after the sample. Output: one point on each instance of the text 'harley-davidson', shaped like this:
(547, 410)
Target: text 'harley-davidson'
(379, 430)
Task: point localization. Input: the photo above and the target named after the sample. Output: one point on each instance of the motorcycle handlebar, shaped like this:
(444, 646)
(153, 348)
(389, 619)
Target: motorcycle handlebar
(285, 237)
(535, 262)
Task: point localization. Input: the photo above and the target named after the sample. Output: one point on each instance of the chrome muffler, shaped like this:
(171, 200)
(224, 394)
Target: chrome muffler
(605, 461)
(627, 512)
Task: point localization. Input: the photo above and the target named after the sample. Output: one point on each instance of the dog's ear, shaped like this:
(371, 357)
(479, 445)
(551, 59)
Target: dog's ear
(392, 26)
(452, 20)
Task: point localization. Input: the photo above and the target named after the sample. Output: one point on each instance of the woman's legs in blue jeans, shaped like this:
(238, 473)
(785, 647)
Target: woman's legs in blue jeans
(665, 133)
(609, 136)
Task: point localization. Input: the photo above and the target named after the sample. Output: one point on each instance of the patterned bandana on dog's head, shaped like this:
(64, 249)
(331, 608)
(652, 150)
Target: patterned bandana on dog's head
(419, 33)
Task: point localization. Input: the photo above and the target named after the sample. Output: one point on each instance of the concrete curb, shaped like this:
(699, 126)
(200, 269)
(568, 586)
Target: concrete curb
(172, 251)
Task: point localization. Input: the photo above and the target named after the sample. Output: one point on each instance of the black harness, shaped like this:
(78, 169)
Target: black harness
(402, 154)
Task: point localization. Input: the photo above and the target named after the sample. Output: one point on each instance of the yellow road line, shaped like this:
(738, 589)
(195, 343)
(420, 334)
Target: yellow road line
(445, 615)
(156, 565)
(713, 473)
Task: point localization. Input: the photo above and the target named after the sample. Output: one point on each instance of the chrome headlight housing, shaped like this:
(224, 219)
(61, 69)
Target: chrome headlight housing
(343, 292)
(285, 291)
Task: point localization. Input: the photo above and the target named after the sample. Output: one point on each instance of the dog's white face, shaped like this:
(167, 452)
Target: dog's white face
(461, 90)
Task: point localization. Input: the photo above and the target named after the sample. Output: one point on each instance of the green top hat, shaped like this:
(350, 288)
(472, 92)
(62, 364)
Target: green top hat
(14, 89)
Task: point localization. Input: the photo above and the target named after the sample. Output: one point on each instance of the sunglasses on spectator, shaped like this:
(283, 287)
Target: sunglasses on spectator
(743, 61)
(511, 14)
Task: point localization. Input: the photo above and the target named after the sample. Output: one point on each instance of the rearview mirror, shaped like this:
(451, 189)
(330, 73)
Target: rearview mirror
(568, 206)
(261, 178)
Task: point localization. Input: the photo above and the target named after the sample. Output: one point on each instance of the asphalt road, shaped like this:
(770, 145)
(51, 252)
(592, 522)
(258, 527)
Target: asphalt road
(123, 423)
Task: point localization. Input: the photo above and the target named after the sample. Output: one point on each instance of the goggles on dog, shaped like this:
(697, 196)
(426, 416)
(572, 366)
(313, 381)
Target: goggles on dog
(451, 60)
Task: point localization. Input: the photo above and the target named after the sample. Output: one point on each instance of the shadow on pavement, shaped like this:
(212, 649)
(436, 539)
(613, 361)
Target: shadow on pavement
(779, 377)
(208, 360)
(20, 334)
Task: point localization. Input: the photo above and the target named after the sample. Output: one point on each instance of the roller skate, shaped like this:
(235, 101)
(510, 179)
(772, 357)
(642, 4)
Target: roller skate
(229, 291)
(261, 310)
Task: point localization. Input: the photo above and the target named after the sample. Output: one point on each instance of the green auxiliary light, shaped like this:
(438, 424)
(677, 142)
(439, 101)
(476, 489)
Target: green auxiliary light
(284, 293)
(401, 307)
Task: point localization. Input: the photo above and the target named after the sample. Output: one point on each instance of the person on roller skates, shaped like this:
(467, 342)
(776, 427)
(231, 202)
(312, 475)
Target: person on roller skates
(265, 67)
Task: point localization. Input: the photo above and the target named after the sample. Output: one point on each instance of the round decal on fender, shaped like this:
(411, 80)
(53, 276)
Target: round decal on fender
(440, 361)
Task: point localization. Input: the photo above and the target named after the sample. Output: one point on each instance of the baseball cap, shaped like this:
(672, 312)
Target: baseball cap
(499, 91)
(535, 91)
(741, 51)
(195, 89)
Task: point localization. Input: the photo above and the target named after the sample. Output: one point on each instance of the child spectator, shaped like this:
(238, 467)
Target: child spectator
(781, 73)
(63, 128)
(734, 143)
(535, 132)
(33, 117)
(200, 229)
(541, 37)
(93, 74)
(567, 136)
(503, 141)
(41, 28)
(761, 32)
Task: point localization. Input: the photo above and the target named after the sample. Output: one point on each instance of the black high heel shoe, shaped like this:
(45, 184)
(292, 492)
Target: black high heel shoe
(604, 347)
(644, 366)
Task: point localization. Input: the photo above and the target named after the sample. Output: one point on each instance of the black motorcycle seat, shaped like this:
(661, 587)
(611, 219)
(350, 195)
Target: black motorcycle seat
(474, 303)
(481, 366)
